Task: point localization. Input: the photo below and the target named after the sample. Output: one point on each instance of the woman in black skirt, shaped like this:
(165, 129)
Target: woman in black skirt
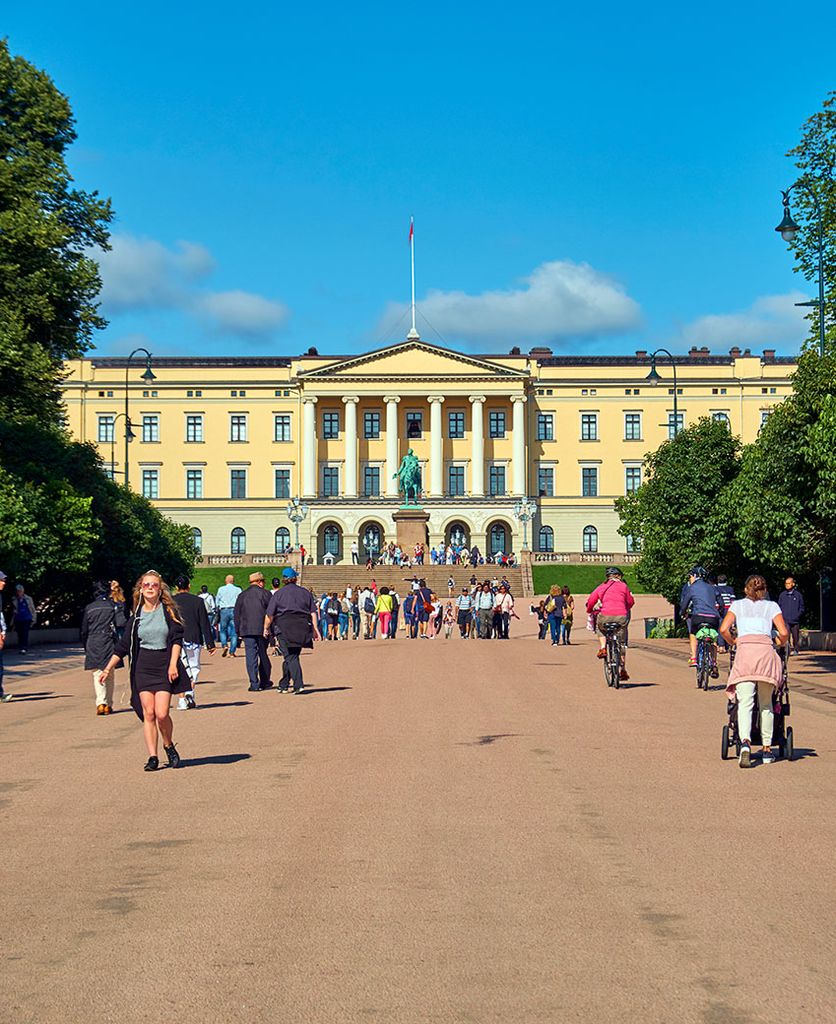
(153, 640)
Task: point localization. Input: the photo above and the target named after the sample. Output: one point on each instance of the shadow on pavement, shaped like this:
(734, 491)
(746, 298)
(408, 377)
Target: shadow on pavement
(799, 753)
(324, 689)
(39, 696)
(196, 762)
(486, 741)
(230, 704)
(635, 686)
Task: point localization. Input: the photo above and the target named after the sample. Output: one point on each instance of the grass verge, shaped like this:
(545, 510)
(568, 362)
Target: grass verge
(213, 575)
(580, 579)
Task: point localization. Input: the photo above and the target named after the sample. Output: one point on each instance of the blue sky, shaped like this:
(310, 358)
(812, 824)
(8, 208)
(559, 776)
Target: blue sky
(597, 179)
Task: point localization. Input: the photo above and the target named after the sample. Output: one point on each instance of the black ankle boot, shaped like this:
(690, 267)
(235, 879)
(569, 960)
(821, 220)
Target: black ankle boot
(173, 756)
(152, 764)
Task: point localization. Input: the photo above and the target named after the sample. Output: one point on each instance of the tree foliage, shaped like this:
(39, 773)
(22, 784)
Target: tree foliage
(677, 511)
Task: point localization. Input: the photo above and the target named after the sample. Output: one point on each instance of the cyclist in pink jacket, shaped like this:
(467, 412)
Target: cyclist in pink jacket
(615, 601)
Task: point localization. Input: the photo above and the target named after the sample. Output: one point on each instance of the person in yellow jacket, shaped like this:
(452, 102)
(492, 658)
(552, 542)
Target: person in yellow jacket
(383, 610)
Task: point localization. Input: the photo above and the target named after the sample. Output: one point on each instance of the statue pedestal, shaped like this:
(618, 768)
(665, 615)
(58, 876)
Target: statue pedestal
(411, 526)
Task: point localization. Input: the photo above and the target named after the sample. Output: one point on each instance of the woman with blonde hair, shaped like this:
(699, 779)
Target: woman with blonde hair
(153, 641)
(120, 607)
(757, 667)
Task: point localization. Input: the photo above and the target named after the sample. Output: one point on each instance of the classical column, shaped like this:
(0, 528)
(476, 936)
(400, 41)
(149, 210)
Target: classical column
(392, 461)
(518, 434)
(350, 479)
(436, 447)
(309, 459)
(477, 452)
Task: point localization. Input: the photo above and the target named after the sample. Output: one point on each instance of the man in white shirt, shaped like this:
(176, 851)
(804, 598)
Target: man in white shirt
(355, 553)
(366, 601)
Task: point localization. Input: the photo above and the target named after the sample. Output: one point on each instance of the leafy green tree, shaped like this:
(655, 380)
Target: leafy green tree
(815, 157)
(677, 512)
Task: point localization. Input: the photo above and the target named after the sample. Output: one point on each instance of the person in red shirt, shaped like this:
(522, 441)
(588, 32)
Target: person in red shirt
(613, 600)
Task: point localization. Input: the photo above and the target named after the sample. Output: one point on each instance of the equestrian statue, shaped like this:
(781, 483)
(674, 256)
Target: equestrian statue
(409, 478)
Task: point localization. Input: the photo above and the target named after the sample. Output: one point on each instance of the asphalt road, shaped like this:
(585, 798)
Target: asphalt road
(442, 831)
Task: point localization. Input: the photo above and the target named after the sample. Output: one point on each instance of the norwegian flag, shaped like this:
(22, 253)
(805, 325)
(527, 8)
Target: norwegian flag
(411, 230)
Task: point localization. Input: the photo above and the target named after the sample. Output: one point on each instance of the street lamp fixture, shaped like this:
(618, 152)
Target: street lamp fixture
(297, 512)
(788, 230)
(654, 377)
(129, 434)
(524, 511)
(147, 376)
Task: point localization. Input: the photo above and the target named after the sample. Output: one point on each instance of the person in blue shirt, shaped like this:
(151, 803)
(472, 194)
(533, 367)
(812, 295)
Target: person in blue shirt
(225, 603)
(791, 604)
(701, 602)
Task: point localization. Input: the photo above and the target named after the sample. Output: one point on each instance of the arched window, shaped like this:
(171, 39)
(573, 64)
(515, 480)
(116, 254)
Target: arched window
(545, 539)
(498, 539)
(331, 540)
(590, 539)
(282, 540)
(197, 540)
(238, 541)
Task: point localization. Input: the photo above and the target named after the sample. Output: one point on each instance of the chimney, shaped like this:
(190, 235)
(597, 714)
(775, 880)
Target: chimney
(769, 355)
(734, 352)
(747, 351)
(705, 350)
(693, 351)
(641, 353)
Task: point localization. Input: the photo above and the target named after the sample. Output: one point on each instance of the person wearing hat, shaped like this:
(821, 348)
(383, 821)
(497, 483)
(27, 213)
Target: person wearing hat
(4, 697)
(291, 617)
(250, 609)
(98, 633)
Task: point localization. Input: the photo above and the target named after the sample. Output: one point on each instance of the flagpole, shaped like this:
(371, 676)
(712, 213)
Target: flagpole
(413, 333)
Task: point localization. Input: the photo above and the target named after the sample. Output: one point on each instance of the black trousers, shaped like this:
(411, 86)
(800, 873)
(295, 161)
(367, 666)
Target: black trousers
(258, 661)
(291, 665)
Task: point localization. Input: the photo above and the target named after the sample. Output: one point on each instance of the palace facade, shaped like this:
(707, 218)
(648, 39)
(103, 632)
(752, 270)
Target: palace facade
(222, 444)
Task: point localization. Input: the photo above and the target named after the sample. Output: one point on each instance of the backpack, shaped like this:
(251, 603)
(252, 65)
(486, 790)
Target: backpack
(368, 606)
(333, 606)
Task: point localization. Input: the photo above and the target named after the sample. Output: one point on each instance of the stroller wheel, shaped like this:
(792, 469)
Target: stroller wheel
(724, 744)
(788, 744)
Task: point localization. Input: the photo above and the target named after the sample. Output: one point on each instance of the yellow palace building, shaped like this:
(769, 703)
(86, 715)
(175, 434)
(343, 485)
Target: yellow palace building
(223, 444)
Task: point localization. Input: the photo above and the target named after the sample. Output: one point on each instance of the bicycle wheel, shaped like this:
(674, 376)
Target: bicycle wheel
(606, 664)
(616, 674)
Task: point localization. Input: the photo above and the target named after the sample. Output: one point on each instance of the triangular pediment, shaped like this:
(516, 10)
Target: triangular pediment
(415, 359)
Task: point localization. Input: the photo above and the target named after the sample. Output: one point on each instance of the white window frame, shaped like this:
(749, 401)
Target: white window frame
(634, 412)
(200, 423)
(594, 414)
(232, 425)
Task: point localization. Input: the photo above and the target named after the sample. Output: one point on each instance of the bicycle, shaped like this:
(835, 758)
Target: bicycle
(612, 661)
(706, 656)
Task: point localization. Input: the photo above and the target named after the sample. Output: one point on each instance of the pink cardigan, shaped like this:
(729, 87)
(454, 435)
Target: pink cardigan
(755, 661)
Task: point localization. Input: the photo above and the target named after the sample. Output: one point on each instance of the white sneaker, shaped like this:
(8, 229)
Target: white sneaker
(182, 704)
(745, 760)
(767, 757)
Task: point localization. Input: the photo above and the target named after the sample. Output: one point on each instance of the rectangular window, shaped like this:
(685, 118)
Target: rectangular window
(106, 427)
(150, 428)
(455, 481)
(238, 427)
(632, 426)
(371, 481)
(330, 426)
(414, 425)
(765, 414)
(281, 427)
(589, 481)
(282, 483)
(330, 481)
(589, 426)
(545, 481)
(194, 483)
(150, 483)
(634, 544)
(455, 424)
(632, 479)
(675, 424)
(371, 425)
(497, 481)
(238, 484)
(496, 424)
(721, 417)
(545, 426)
(194, 428)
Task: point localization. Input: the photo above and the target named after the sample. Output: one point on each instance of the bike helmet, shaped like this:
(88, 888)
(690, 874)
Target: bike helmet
(613, 570)
(699, 572)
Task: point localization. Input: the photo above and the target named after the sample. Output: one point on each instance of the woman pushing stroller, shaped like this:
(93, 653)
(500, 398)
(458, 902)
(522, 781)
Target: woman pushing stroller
(757, 667)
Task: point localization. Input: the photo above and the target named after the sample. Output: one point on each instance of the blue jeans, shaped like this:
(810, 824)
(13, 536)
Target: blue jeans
(355, 624)
(555, 625)
(229, 635)
(343, 621)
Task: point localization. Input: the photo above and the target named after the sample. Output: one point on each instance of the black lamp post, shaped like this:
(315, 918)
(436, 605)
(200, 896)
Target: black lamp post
(654, 377)
(788, 229)
(129, 435)
(148, 375)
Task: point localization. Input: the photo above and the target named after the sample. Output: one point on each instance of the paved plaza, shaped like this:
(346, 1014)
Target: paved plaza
(440, 831)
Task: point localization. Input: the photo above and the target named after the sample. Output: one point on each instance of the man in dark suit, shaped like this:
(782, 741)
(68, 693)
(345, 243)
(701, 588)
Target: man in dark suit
(250, 609)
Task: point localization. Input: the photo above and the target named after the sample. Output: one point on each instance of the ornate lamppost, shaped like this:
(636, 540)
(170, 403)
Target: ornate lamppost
(788, 229)
(129, 434)
(147, 376)
(654, 377)
(297, 512)
(524, 511)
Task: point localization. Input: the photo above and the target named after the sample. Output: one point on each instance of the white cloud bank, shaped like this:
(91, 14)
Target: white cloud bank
(558, 301)
(773, 321)
(143, 274)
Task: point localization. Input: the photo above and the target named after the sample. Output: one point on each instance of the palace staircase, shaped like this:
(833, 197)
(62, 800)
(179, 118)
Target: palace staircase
(328, 578)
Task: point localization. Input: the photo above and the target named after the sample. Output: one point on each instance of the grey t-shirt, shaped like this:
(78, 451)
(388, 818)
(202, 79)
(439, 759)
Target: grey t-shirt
(153, 630)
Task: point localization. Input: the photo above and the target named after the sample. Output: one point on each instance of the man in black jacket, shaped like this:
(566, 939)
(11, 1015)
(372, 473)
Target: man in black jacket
(292, 617)
(197, 631)
(791, 604)
(250, 609)
(98, 631)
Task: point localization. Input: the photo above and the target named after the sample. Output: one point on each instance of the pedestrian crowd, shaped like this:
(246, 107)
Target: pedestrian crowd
(451, 554)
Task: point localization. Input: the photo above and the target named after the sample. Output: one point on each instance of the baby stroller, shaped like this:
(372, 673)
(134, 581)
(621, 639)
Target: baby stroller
(781, 732)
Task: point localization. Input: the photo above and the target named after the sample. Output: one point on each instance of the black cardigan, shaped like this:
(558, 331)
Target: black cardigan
(127, 645)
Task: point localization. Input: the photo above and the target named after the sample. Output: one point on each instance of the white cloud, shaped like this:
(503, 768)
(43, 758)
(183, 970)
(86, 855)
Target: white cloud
(771, 321)
(241, 312)
(558, 301)
(144, 274)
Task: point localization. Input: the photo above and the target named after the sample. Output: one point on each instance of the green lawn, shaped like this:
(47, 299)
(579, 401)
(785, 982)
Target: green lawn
(580, 579)
(213, 575)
